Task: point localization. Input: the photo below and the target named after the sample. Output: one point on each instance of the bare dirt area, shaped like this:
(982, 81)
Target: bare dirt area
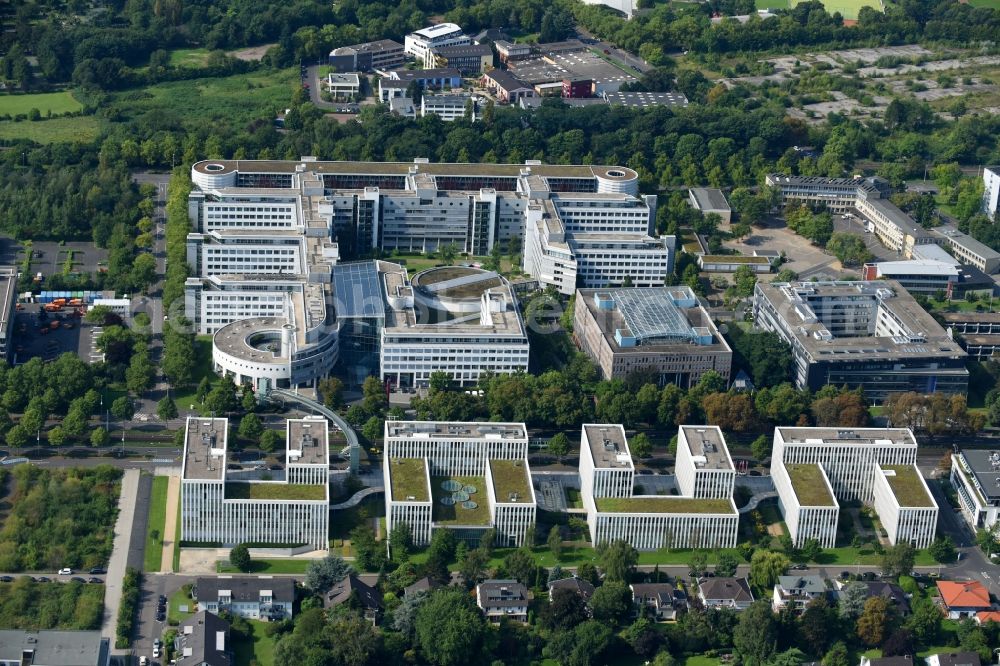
(252, 53)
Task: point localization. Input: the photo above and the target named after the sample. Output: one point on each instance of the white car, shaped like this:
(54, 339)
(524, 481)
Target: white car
(143, 661)
(156, 652)
(65, 571)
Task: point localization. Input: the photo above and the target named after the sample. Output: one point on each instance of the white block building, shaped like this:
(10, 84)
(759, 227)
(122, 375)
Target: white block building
(904, 504)
(703, 467)
(974, 475)
(468, 477)
(649, 522)
(991, 190)
(448, 107)
(420, 43)
(293, 511)
(807, 502)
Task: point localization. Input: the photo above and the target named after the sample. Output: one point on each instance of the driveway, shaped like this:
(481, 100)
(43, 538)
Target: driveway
(120, 553)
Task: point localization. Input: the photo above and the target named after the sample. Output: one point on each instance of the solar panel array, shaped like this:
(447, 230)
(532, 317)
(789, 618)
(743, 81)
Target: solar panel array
(356, 290)
(651, 315)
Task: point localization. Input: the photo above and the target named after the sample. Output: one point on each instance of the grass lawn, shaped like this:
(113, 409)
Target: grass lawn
(81, 129)
(995, 4)
(58, 103)
(702, 660)
(573, 499)
(274, 566)
(848, 8)
(189, 57)
(174, 603)
(185, 396)
(155, 523)
(260, 649)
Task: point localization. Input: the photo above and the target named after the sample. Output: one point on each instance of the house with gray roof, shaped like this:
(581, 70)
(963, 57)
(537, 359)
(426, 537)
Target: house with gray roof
(797, 592)
(54, 648)
(203, 640)
(261, 598)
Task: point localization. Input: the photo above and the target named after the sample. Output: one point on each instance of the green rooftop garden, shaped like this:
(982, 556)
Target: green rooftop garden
(456, 514)
(510, 476)
(907, 486)
(409, 479)
(664, 504)
(809, 485)
(275, 491)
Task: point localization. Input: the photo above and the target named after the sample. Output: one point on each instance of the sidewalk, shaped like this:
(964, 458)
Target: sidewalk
(119, 555)
(170, 525)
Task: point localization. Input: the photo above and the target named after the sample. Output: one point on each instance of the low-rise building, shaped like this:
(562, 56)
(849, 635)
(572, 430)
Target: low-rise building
(796, 592)
(382, 54)
(968, 250)
(582, 588)
(421, 43)
(403, 106)
(730, 263)
(503, 599)
(469, 59)
(878, 588)
(963, 599)
(902, 660)
(448, 107)
(351, 589)
(343, 86)
(710, 200)
(511, 51)
(954, 659)
(203, 640)
(917, 276)
(398, 81)
(264, 598)
(974, 474)
(645, 100)
(8, 296)
(659, 329)
(54, 648)
(720, 592)
(506, 87)
(663, 600)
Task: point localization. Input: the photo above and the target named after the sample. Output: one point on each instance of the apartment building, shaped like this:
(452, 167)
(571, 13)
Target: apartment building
(266, 598)
(813, 468)
(503, 599)
(467, 477)
(974, 475)
(868, 334)
(648, 522)
(421, 43)
(660, 329)
(230, 508)
(382, 54)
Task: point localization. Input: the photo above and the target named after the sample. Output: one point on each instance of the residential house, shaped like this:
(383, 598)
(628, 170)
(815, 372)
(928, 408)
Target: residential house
(982, 617)
(425, 584)
(954, 659)
(797, 591)
(661, 598)
(252, 598)
(577, 585)
(880, 588)
(506, 87)
(355, 591)
(725, 593)
(962, 599)
(500, 599)
(887, 661)
(203, 640)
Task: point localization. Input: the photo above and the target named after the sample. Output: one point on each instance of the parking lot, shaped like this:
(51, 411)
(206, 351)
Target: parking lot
(71, 335)
(148, 627)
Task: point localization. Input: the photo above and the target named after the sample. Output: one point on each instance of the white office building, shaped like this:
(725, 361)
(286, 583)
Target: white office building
(231, 508)
(448, 107)
(813, 468)
(975, 475)
(468, 477)
(649, 522)
(343, 86)
(991, 190)
(703, 467)
(420, 43)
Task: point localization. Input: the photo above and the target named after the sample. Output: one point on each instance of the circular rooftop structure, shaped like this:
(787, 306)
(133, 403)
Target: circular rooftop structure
(212, 174)
(453, 289)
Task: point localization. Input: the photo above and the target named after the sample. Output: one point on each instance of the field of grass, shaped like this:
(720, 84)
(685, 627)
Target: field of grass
(259, 650)
(58, 103)
(995, 4)
(189, 57)
(155, 523)
(178, 599)
(848, 8)
(82, 129)
(275, 566)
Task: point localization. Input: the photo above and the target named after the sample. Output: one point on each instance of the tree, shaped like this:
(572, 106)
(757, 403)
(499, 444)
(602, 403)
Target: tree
(269, 441)
(166, 409)
(898, 560)
(368, 554)
(239, 557)
(697, 563)
(140, 373)
(322, 575)
(122, 408)
(924, 621)
(248, 401)
(251, 427)
(332, 390)
(448, 252)
(57, 436)
(942, 549)
(99, 437)
(520, 565)
(555, 542)
(611, 602)
(449, 628)
(850, 249)
(744, 281)
(811, 550)
(874, 621)
(401, 537)
(373, 429)
(755, 637)
(761, 447)
(899, 643)
(565, 610)
(852, 600)
(204, 387)
(641, 446)
(374, 395)
(816, 625)
(618, 559)
(837, 655)
(559, 445)
(986, 539)
(472, 566)
(726, 564)
(222, 399)
(765, 567)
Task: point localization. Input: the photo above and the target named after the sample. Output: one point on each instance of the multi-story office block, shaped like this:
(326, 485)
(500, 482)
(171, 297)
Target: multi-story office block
(420, 44)
(382, 54)
(975, 475)
(868, 334)
(294, 510)
(991, 190)
(468, 477)
(703, 467)
(8, 296)
(659, 329)
(814, 467)
(904, 505)
(448, 107)
(469, 59)
(649, 522)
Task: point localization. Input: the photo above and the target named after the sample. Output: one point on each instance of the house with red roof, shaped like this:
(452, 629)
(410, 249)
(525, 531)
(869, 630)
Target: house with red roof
(962, 599)
(982, 617)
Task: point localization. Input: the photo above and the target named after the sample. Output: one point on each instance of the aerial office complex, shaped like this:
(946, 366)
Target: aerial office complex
(659, 329)
(868, 334)
(232, 508)
(467, 477)
(975, 475)
(703, 516)
(268, 237)
(382, 54)
(813, 468)
(421, 43)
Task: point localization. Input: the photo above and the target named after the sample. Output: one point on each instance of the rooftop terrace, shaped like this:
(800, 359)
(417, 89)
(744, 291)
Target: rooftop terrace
(274, 490)
(809, 485)
(907, 486)
(511, 481)
(460, 512)
(409, 479)
(662, 504)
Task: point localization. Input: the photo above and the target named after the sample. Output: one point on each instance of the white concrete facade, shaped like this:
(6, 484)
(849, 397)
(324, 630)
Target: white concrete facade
(613, 476)
(454, 448)
(977, 496)
(806, 522)
(703, 467)
(991, 190)
(419, 43)
(652, 531)
(914, 525)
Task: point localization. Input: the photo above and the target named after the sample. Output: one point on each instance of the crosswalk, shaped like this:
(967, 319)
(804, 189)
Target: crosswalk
(96, 355)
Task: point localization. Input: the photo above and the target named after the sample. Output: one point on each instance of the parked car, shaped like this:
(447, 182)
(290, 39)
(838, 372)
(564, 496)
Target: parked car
(65, 571)
(42, 579)
(163, 600)
(98, 570)
(95, 581)
(844, 575)
(800, 567)
(77, 579)
(6, 579)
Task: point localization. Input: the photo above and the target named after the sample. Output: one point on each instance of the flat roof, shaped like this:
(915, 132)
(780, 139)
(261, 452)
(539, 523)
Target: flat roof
(608, 446)
(343, 77)
(460, 50)
(274, 490)
(54, 648)
(457, 512)
(971, 317)
(437, 30)
(357, 290)
(733, 259)
(308, 441)
(707, 442)
(511, 481)
(646, 99)
(985, 466)
(256, 339)
(662, 504)
(710, 198)
(370, 47)
(8, 289)
(205, 442)
(809, 485)
(957, 237)
(907, 486)
(455, 430)
(848, 436)
(409, 479)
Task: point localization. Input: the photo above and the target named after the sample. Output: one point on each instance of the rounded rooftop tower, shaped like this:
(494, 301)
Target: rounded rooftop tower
(213, 174)
(617, 180)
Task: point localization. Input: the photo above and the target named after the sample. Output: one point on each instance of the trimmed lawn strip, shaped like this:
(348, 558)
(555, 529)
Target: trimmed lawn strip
(272, 566)
(57, 102)
(156, 523)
